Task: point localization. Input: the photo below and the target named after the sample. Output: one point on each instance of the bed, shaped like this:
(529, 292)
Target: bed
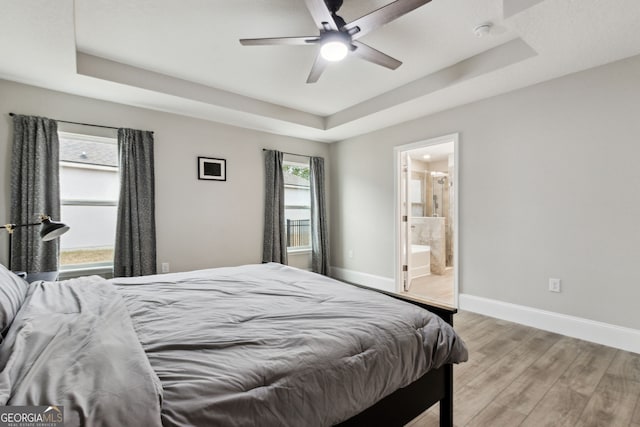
(261, 344)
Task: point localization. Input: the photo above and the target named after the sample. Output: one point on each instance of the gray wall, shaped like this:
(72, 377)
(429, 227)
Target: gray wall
(549, 187)
(200, 223)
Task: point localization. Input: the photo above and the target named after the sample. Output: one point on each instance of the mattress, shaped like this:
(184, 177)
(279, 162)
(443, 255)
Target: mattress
(264, 345)
(271, 345)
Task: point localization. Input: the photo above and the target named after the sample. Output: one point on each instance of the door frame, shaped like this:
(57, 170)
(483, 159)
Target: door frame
(398, 150)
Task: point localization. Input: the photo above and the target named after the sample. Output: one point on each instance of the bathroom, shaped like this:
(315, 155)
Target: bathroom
(430, 208)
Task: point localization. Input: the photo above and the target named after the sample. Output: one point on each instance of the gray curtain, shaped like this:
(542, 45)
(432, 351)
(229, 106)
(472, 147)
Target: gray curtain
(35, 190)
(319, 231)
(135, 249)
(274, 248)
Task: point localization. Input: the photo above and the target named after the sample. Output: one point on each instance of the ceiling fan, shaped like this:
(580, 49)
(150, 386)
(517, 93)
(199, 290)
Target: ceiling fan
(338, 38)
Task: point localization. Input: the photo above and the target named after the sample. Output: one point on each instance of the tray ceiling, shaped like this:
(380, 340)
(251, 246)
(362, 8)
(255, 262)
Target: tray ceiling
(184, 57)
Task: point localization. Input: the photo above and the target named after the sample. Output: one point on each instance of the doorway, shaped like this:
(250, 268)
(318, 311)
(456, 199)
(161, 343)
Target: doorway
(427, 219)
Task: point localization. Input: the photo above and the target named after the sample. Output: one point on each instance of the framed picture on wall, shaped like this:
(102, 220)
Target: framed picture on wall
(212, 169)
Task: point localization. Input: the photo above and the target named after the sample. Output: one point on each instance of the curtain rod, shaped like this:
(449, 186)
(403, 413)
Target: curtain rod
(78, 123)
(291, 154)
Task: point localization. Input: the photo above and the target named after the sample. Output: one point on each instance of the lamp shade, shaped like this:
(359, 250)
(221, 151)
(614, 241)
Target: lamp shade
(52, 229)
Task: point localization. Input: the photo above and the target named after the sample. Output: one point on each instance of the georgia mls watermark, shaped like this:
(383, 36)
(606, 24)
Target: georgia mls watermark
(31, 416)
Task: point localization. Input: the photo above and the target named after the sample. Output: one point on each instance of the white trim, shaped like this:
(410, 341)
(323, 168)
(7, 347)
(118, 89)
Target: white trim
(79, 202)
(298, 250)
(87, 270)
(589, 330)
(298, 163)
(366, 279)
(87, 138)
(397, 150)
(91, 166)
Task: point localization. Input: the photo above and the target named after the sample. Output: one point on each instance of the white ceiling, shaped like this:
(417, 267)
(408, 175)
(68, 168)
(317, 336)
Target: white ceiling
(184, 56)
(436, 152)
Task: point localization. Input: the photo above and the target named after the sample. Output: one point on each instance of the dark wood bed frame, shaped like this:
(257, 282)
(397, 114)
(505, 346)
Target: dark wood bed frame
(405, 404)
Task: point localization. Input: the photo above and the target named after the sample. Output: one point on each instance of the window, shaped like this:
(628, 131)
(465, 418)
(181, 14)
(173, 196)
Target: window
(417, 195)
(297, 203)
(89, 191)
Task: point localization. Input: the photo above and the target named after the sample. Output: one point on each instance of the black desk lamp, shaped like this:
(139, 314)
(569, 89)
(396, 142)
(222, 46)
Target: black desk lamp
(49, 231)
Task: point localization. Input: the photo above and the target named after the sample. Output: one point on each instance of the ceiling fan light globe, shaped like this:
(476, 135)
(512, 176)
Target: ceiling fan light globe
(334, 51)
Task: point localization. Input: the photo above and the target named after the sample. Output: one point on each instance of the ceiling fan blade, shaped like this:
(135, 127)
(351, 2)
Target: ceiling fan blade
(318, 67)
(370, 54)
(384, 15)
(321, 15)
(280, 41)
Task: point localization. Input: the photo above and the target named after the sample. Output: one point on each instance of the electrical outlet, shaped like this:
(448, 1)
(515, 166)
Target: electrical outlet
(165, 267)
(350, 253)
(554, 285)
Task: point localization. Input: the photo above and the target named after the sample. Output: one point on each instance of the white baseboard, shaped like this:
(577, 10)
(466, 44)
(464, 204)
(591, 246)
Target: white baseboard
(366, 279)
(589, 330)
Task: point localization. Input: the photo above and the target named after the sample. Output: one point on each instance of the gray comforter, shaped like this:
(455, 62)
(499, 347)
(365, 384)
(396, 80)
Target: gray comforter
(72, 344)
(268, 345)
(259, 345)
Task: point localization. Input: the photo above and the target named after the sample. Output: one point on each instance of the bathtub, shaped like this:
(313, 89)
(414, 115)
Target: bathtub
(420, 260)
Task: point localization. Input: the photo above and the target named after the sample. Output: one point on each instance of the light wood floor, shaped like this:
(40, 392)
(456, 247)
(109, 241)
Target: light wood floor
(521, 376)
(434, 287)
